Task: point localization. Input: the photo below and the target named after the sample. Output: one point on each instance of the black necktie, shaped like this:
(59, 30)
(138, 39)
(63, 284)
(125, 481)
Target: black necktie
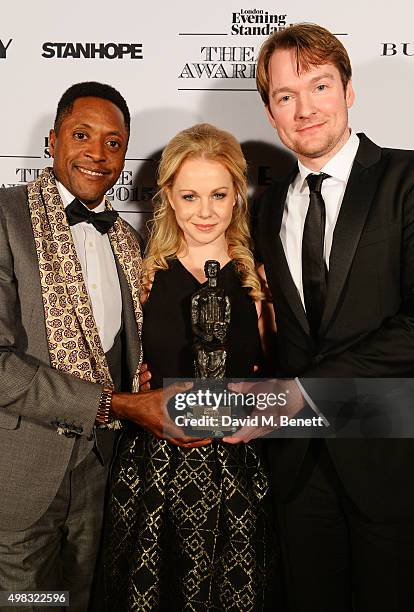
(76, 212)
(314, 270)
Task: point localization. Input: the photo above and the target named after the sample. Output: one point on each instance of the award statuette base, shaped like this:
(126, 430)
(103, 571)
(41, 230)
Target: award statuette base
(207, 410)
(211, 421)
(212, 416)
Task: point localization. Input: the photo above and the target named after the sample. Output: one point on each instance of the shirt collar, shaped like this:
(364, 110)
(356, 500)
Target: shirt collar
(338, 167)
(67, 198)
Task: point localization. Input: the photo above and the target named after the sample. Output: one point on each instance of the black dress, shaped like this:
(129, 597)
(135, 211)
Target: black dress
(189, 529)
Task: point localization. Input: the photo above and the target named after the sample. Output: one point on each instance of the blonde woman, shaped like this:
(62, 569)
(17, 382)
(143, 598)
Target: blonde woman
(189, 527)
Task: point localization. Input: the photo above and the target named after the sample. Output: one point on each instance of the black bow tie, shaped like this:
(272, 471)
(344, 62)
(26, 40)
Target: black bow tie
(76, 212)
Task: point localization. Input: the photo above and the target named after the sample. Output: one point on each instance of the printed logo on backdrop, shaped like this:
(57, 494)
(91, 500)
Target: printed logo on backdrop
(4, 47)
(222, 62)
(229, 61)
(92, 50)
(256, 22)
(214, 59)
(401, 48)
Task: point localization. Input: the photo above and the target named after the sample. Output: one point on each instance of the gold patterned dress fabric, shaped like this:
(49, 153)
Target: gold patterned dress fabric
(189, 529)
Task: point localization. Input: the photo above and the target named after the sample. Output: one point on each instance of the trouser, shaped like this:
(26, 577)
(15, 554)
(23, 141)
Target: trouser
(336, 559)
(59, 551)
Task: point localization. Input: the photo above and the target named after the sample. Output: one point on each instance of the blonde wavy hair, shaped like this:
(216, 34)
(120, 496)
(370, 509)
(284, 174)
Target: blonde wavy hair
(166, 237)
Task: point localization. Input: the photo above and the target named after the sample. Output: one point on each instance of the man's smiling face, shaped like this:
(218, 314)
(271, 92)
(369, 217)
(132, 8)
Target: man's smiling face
(309, 110)
(89, 149)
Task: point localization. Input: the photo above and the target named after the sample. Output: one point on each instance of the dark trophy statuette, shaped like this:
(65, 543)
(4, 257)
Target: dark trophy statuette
(210, 319)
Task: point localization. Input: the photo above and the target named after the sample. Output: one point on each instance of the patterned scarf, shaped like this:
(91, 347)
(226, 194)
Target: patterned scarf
(73, 339)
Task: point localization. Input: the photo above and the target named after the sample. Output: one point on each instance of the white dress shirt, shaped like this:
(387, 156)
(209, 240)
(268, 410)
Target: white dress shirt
(297, 202)
(99, 272)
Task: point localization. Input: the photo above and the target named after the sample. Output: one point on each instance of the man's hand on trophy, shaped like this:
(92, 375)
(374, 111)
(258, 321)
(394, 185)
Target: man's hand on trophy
(273, 398)
(148, 409)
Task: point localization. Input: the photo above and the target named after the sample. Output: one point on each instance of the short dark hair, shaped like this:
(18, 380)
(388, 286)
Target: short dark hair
(86, 90)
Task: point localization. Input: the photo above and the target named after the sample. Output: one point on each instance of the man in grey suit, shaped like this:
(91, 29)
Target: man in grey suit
(69, 337)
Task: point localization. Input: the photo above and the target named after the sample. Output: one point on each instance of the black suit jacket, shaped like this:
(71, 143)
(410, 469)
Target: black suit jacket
(367, 329)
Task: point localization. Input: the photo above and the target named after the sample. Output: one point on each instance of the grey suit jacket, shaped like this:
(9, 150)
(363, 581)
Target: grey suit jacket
(33, 396)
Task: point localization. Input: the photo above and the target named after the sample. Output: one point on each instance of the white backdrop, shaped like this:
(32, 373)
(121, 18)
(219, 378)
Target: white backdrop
(183, 62)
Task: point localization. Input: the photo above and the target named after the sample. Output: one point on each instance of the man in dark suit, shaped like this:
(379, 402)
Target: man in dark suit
(336, 238)
(70, 320)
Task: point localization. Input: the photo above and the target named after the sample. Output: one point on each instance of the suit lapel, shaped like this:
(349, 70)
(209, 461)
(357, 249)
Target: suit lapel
(132, 340)
(32, 286)
(289, 288)
(360, 191)
(277, 255)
